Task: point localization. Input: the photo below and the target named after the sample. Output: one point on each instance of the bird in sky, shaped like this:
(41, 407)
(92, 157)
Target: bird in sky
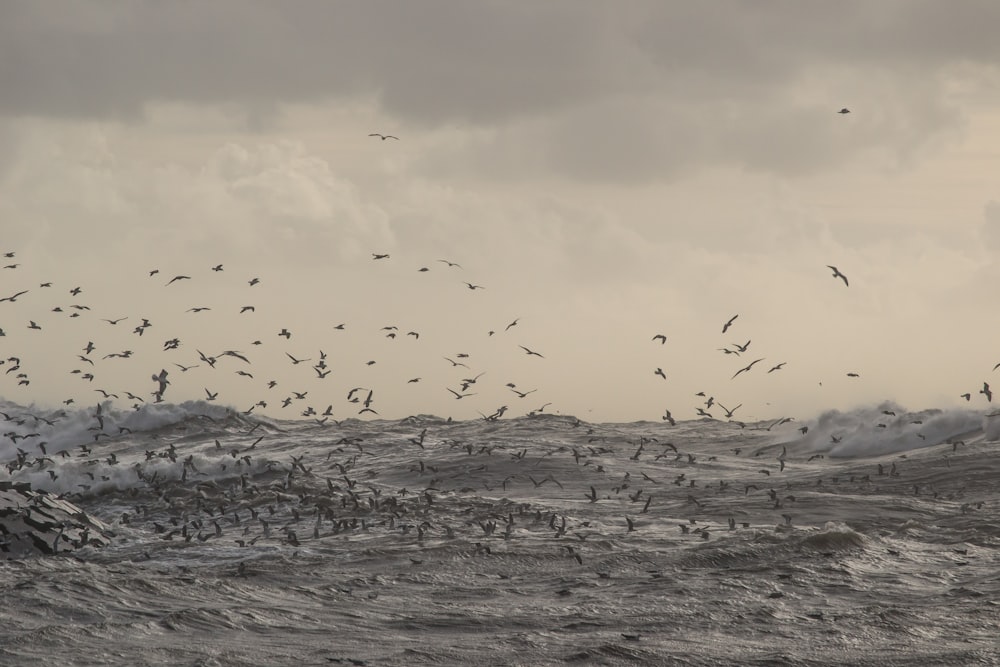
(383, 137)
(660, 337)
(725, 327)
(838, 274)
(746, 368)
(845, 110)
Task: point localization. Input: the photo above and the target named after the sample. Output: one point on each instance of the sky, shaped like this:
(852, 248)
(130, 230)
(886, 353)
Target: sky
(604, 172)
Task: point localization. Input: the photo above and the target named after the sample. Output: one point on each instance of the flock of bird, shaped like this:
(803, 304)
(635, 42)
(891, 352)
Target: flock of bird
(361, 399)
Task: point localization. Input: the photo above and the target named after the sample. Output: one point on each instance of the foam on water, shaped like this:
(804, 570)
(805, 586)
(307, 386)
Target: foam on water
(534, 540)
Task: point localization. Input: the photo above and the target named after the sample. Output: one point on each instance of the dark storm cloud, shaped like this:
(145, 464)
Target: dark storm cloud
(640, 91)
(439, 61)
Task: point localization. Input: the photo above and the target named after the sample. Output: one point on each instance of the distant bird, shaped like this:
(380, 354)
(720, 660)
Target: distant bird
(661, 338)
(728, 324)
(474, 287)
(853, 375)
(659, 371)
(514, 323)
(176, 278)
(985, 391)
(838, 274)
(667, 417)
(967, 396)
(161, 380)
(778, 367)
(844, 110)
(253, 281)
(383, 137)
(450, 264)
(530, 352)
(376, 255)
(746, 368)
(13, 298)
(217, 267)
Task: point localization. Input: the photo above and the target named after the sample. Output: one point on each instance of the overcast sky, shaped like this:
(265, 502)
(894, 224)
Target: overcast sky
(606, 172)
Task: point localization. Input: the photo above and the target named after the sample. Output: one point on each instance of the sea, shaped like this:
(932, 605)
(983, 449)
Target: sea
(861, 537)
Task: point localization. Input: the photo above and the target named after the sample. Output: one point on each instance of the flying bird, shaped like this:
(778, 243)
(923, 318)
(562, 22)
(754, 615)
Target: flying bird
(728, 324)
(745, 369)
(661, 338)
(530, 352)
(838, 274)
(383, 137)
(844, 111)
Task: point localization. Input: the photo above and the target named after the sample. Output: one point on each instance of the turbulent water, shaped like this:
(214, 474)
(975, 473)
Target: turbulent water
(865, 538)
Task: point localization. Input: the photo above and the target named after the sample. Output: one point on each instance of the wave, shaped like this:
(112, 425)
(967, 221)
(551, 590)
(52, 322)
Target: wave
(888, 428)
(55, 431)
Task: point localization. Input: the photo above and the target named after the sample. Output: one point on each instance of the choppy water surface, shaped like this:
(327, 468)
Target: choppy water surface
(869, 539)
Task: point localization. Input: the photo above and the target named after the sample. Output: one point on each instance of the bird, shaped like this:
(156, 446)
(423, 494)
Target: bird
(659, 371)
(778, 367)
(530, 352)
(838, 274)
(376, 255)
(661, 338)
(13, 298)
(176, 278)
(474, 287)
(845, 110)
(985, 391)
(746, 368)
(725, 327)
(383, 137)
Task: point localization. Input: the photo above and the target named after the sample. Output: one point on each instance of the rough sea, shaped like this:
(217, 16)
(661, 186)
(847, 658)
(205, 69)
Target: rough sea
(869, 537)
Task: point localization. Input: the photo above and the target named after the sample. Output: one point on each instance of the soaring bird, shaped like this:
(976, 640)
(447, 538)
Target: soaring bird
(838, 274)
(661, 338)
(985, 391)
(844, 110)
(383, 137)
(725, 327)
(746, 368)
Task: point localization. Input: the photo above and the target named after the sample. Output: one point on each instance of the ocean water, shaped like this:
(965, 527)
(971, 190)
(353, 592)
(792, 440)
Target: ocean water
(869, 537)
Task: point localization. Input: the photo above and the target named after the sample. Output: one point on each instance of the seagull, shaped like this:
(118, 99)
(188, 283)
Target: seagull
(659, 371)
(13, 298)
(778, 367)
(176, 278)
(746, 368)
(985, 391)
(383, 137)
(376, 255)
(844, 111)
(728, 324)
(661, 338)
(530, 352)
(838, 274)
(474, 287)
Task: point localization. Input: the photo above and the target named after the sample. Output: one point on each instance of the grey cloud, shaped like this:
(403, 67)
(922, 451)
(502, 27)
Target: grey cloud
(437, 61)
